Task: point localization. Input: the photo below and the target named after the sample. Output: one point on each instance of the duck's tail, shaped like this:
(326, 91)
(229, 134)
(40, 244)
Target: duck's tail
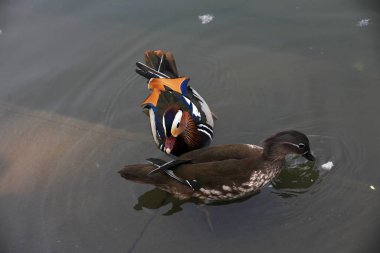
(148, 173)
(139, 173)
(158, 64)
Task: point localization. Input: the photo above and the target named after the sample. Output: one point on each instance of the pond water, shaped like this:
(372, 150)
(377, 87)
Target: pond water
(70, 118)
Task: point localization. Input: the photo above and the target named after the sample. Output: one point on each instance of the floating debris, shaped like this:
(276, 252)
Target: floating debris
(364, 22)
(205, 19)
(328, 165)
(372, 187)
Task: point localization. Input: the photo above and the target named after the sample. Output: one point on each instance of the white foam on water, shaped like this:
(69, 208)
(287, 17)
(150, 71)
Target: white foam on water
(205, 19)
(328, 165)
(364, 22)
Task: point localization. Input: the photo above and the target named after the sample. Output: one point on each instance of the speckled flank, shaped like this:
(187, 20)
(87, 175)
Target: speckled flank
(257, 180)
(226, 188)
(178, 193)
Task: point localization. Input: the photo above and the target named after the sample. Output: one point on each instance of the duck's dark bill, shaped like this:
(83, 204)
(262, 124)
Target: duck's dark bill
(309, 156)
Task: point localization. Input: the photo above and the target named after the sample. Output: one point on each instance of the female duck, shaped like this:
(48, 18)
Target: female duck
(223, 172)
(180, 119)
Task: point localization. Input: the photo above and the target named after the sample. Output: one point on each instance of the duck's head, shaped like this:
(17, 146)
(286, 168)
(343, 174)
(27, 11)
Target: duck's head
(178, 127)
(284, 143)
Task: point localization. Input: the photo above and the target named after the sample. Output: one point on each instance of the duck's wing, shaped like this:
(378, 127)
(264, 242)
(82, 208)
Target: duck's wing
(148, 72)
(216, 174)
(195, 174)
(144, 173)
(218, 162)
(161, 85)
(202, 157)
(223, 152)
(156, 161)
(165, 166)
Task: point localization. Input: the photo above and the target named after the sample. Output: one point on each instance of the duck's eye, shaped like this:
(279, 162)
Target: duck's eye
(301, 146)
(177, 124)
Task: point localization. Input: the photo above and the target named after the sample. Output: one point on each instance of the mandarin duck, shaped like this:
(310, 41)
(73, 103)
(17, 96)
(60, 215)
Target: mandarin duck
(180, 118)
(224, 172)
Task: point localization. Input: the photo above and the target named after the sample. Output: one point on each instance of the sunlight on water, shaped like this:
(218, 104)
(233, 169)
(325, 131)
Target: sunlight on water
(31, 138)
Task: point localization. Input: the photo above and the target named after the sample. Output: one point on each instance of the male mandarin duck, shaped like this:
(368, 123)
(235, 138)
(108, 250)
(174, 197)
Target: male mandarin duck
(180, 118)
(224, 172)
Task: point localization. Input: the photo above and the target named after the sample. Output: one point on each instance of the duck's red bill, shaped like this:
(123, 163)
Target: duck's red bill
(169, 144)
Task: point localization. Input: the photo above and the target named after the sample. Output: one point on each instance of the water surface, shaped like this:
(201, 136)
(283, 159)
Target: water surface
(70, 119)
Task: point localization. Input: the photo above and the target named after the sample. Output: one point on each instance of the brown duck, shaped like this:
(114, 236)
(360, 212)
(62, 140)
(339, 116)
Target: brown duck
(224, 172)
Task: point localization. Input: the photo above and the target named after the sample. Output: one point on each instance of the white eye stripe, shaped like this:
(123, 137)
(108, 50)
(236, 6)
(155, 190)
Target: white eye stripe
(300, 146)
(176, 121)
(289, 143)
(163, 124)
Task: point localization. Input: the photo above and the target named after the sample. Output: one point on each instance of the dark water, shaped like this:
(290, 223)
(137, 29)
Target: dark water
(70, 119)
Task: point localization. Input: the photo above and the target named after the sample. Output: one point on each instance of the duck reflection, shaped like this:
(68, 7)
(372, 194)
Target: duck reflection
(158, 198)
(295, 179)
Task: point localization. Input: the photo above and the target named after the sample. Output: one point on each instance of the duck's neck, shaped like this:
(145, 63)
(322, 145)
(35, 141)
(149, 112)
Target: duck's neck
(274, 162)
(274, 154)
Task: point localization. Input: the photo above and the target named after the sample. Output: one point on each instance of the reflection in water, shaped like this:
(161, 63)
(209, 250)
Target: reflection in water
(157, 198)
(292, 181)
(295, 179)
